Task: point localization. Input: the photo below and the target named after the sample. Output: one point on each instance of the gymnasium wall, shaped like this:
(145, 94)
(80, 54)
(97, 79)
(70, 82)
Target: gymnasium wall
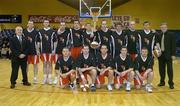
(156, 11)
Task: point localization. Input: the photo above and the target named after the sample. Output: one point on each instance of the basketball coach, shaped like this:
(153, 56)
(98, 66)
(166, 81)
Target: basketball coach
(168, 48)
(19, 50)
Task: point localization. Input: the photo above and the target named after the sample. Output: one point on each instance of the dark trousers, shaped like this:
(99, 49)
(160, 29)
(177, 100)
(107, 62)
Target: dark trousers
(163, 62)
(15, 68)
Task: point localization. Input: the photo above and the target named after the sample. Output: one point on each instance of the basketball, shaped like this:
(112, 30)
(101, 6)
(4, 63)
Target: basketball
(157, 52)
(94, 45)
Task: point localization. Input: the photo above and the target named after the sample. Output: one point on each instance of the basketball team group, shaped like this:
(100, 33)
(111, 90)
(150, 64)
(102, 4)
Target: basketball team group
(84, 57)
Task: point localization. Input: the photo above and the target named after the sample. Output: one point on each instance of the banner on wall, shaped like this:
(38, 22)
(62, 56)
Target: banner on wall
(10, 18)
(53, 18)
(124, 19)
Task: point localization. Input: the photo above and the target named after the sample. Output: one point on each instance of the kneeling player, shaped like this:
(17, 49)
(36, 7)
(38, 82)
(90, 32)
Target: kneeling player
(143, 70)
(105, 68)
(124, 69)
(65, 68)
(86, 66)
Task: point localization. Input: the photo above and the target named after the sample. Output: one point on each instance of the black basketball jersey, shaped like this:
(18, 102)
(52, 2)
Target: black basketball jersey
(104, 63)
(141, 65)
(120, 40)
(147, 40)
(123, 64)
(85, 63)
(32, 43)
(76, 37)
(132, 41)
(47, 38)
(62, 40)
(64, 66)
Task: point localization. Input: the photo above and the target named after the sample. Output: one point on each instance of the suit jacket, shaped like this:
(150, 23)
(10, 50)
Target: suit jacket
(169, 43)
(17, 48)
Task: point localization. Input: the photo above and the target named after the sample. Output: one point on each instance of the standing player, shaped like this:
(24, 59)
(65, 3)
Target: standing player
(124, 69)
(31, 35)
(120, 39)
(65, 69)
(62, 34)
(105, 67)
(76, 39)
(87, 66)
(47, 44)
(147, 38)
(88, 36)
(132, 40)
(144, 70)
(104, 37)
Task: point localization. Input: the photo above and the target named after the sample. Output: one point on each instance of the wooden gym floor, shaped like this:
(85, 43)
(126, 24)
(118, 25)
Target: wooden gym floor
(47, 95)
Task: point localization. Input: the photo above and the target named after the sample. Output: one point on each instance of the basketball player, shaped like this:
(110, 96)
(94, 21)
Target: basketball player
(88, 36)
(65, 69)
(31, 35)
(120, 38)
(147, 38)
(76, 40)
(87, 66)
(124, 69)
(47, 44)
(132, 40)
(104, 37)
(62, 35)
(144, 70)
(105, 67)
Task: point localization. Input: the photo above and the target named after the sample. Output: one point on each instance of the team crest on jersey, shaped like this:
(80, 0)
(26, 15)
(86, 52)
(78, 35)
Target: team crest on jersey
(105, 38)
(46, 36)
(87, 40)
(29, 38)
(120, 41)
(65, 68)
(146, 41)
(103, 66)
(86, 66)
(143, 68)
(123, 67)
(76, 34)
(61, 39)
(133, 38)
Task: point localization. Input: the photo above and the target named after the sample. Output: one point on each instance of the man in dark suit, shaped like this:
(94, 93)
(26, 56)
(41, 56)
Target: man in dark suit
(167, 43)
(19, 49)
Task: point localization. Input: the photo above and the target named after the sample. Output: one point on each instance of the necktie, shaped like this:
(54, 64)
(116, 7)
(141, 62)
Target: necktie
(20, 39)
(162, 43)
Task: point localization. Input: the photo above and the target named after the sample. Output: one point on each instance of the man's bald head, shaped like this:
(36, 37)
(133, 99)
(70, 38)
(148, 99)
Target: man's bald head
(19, 30)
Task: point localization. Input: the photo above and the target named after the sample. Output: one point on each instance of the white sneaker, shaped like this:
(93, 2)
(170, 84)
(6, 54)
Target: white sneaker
(128, 86)
(149, 88)
(55, 81)
(35, 80)
(109, 87)
(84, 89)
(50, 81)
(44, 81)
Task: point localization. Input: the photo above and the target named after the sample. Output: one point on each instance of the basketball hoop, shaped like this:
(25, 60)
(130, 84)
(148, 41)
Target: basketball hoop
(95, 12)
(95, 9)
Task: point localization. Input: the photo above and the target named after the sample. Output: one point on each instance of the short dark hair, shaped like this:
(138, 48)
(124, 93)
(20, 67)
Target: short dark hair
(85, 46)
(116, 24)
(146, 22)
(103, 45)
(144, 48)
(66, 48)
(123, 47)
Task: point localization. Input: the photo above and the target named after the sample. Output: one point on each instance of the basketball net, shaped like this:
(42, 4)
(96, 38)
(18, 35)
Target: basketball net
(95, 15)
